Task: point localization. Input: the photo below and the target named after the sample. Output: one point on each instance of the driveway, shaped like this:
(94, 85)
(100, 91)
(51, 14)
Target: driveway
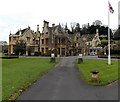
(64, 82)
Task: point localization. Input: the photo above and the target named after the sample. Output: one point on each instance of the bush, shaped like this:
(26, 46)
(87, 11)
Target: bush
(114, 51)
(37, 53)
(68, 53)
(42, 54)
(48, 53)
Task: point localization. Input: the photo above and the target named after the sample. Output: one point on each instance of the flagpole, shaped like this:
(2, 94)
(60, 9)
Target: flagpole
(109, 57)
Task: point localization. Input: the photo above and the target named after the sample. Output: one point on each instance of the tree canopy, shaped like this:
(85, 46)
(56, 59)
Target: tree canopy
(20, 47)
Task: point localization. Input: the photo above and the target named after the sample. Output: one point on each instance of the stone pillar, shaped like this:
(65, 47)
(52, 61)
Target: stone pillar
(80, 59)
(11, 49)
(60, 48)
(52, 59)
(65, 51)
(96, 52)
(60, 51)
(26, 53)
(44, 49)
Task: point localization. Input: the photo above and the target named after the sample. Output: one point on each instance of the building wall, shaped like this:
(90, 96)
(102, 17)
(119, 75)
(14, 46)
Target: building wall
(31, 39)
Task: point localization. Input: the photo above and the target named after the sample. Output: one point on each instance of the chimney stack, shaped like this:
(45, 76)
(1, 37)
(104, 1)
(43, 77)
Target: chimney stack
(37, 27)
(46, 24)
(53, 25)
(20, 32)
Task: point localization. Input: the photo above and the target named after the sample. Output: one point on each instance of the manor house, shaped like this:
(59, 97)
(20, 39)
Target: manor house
(54, 39)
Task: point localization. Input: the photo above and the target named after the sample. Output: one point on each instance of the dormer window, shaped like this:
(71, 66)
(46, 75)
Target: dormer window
(77, 38)
(42, 41)
(28, 39)
(14, 38)
(10, 39)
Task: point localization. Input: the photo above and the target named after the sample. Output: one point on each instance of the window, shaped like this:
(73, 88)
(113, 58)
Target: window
(36, 42)
(46, 49)
(42, 41)
(28, 39)
(63, 41)
(77, 38)
(14, 38)
(43, 50)
(46, 41)
(10, 39)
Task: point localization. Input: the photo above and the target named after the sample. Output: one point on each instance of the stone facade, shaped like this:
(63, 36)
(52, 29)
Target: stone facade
(54, 39)
(89, 42)
(31, 38)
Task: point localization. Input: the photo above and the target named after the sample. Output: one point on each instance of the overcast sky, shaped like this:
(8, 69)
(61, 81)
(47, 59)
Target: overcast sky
(16, 14)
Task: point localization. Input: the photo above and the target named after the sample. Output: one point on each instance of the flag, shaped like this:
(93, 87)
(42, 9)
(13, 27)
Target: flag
(111, 8)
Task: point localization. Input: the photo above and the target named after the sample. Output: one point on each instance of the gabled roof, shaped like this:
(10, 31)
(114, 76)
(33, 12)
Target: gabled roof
(87, 37)
(22, 31)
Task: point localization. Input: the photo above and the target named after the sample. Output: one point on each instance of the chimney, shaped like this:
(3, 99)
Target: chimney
(53, 25)
(20, 32)
(37, 27)
(28, 27)
(46, 24)
(97, 32)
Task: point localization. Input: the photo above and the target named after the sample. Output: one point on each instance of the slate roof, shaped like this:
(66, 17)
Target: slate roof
(87, 37)
(22, 31)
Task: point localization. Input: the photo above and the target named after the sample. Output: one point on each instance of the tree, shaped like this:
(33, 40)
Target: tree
(77, 28)
(84, 31)
(20, 47)
(73, 26)
(97, 22)
(92, 29)
(66, 28)
(117, 34)
(5, 49)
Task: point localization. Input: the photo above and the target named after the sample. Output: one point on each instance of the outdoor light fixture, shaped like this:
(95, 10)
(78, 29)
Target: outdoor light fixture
(52, 55)
(52, 59)
(80, 59)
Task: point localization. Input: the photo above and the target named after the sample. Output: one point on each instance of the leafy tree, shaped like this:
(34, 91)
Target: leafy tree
(66, 28)
(84, 31)
(97, 22)
(20, 47)
(5, 49)
(117, 34)
(73, 26)
(77, 28)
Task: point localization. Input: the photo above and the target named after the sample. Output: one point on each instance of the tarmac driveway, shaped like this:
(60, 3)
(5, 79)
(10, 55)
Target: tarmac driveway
(64, 82)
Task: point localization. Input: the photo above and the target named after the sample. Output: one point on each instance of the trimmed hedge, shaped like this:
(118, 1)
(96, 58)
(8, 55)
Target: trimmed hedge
(114, 52)
(105, 56)
(9, 57)
(37, 53)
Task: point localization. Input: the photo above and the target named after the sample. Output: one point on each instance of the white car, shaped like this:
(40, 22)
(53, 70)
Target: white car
(92, 53)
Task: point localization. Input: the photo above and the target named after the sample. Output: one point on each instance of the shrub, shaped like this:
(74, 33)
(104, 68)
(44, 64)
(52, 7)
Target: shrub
(114, 51)
(37, 53)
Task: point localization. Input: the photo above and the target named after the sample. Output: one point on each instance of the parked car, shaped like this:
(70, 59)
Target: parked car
(92, 53)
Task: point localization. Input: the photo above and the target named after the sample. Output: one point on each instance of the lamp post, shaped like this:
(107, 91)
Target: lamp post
(80, 59)
(52, 59)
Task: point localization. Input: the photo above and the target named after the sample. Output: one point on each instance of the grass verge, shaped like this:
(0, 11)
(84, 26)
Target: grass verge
(107, 73)
(18, 74)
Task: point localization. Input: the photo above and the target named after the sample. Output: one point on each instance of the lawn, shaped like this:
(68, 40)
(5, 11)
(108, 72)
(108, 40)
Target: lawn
(107, 73)
(1, 54)
(0, 80)
(21, 73)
